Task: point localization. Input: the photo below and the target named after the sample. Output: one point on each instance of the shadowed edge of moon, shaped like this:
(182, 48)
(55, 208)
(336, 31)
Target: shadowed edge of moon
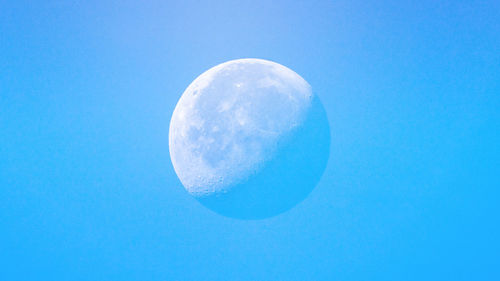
(286, 179)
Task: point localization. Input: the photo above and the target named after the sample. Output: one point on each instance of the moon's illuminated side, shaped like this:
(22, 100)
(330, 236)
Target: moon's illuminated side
(230, 124)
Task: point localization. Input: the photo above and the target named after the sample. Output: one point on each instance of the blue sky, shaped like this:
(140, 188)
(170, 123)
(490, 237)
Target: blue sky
(411, 90)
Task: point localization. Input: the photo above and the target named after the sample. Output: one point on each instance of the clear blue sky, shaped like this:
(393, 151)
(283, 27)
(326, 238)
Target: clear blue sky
(411, 190)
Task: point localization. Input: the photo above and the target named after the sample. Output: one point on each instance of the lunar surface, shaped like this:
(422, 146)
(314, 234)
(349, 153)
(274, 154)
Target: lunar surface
(249, 139)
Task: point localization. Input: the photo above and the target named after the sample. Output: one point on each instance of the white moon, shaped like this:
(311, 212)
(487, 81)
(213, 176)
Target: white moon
(238, 132)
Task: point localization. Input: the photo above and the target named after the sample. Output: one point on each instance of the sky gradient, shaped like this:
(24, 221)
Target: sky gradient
(412, 94)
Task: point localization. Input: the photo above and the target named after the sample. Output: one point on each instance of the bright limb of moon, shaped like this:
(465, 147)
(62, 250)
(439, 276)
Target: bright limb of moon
(249, 139)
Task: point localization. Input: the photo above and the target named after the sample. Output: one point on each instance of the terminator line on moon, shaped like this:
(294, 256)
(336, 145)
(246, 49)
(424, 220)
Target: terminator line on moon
(249, 139)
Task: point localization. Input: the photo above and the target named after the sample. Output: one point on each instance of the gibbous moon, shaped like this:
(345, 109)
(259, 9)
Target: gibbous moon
(249, 139)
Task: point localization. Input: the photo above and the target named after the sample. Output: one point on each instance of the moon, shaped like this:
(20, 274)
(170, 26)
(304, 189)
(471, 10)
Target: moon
(249, 139)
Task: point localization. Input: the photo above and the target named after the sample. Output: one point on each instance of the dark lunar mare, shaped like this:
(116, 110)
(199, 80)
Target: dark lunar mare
(286, 179)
